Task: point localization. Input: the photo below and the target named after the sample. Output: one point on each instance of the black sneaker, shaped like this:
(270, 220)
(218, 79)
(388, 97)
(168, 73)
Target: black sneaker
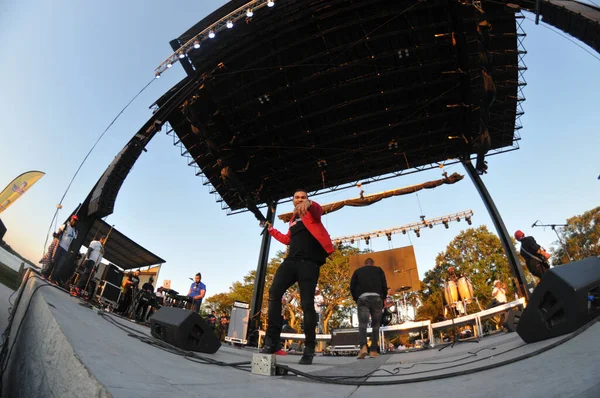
(307, 356)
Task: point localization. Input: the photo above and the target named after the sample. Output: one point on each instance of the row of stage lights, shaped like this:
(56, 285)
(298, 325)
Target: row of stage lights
(227, 22)
(404, 229)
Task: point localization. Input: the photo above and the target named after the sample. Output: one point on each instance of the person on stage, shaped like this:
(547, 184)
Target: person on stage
(309, 245)
(535, 256)
(56, 270)
(453, 275)
(319, 304)
(368, 287)
(498, 294)
(93, 257)
(197, 293)
(130, 287)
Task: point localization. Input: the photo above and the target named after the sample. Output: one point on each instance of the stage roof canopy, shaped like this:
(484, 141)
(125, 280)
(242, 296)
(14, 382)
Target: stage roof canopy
(321, 95)
(119, 249)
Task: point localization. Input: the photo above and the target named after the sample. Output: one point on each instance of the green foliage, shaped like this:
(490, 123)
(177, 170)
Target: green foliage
(581, 237)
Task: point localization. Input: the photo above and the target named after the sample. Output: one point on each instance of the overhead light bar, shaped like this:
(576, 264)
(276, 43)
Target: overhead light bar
(403, 229)
(227, 22)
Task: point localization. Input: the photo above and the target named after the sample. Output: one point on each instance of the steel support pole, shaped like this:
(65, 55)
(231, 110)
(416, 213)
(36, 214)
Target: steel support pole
(511, 253)
(259, 282)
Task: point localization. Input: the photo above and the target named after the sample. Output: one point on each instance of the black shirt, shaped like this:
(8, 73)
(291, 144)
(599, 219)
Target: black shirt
(303, 245)
(368, 279)
(148, 286)
(529, 251)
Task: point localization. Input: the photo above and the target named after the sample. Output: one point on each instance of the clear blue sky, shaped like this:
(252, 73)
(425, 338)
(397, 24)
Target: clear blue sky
(70, 66)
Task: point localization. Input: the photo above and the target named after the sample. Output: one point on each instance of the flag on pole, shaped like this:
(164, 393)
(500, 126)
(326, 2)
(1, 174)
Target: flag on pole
(18, 187)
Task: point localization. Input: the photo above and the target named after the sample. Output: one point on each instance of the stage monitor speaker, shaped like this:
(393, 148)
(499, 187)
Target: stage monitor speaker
(341, 337)
(567, 297)
(184, 329)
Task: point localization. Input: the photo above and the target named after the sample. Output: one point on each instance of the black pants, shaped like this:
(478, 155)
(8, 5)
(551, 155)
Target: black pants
(372, 305)
(83, 278)
(196, 306)
(538, 268)
(306, 273)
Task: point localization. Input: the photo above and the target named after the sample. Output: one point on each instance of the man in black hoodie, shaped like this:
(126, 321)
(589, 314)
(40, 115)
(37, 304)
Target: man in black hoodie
(368, 288)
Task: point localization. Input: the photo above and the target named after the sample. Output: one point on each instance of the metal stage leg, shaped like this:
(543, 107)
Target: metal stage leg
(259, 282)
(511, 253)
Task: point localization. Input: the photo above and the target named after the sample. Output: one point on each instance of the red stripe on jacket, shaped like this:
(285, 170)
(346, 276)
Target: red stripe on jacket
(312, 222)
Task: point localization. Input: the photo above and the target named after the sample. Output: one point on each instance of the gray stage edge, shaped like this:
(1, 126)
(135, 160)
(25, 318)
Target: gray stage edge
(43, 363)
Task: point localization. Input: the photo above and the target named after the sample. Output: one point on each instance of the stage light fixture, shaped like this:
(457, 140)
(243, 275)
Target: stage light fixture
(445, 222)
(181, 56)
(196, 44)
(229, 24)
(468, 219)
(157, 75)
(418, 232)
(249, 13)
(403, 232)
(430, 226)
(457, 219)
(211, 34)
(367, 239)
(169, 64)
(270, 3)
(389, 236)
(351, 241)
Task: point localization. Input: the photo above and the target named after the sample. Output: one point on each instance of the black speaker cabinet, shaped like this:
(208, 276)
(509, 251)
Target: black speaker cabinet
(567, 297)
(184, 329)
(342, 337)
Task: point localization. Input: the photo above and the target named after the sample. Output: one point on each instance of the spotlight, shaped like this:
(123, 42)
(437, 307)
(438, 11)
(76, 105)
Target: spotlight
(367, 239)
(445, 222)
(196, 44)
(418, 232)
(169, 64)
(430, 226)
(389, 236)
(181, 56)
(351, 241)
(457, 219)
(157, 75)
(468, 218)
(249, 13)
(270, 3)
(403, 232)
(211, 34)
(229, 24)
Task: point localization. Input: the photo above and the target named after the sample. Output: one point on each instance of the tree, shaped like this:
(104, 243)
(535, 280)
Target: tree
(476, 253)
(581, 237)
(334, 282)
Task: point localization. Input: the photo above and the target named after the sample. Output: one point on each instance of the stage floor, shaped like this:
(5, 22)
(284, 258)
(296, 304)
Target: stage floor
(498, 366)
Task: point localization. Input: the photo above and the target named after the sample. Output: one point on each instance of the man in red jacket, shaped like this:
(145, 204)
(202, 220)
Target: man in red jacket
(309, 245)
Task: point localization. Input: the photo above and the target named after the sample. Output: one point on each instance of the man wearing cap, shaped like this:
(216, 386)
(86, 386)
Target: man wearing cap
(535, 256)
(498, 294)
(56, 270)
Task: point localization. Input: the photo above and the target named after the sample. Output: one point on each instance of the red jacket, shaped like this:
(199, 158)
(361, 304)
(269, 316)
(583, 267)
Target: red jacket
(312, 222)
